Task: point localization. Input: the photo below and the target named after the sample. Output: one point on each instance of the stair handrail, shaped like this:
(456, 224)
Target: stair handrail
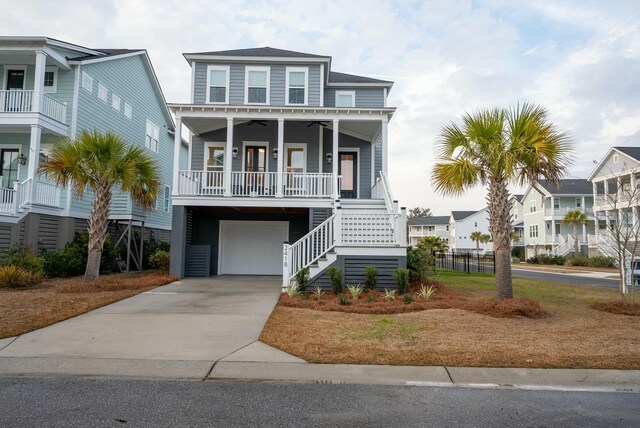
(310, 248)
(387, 195)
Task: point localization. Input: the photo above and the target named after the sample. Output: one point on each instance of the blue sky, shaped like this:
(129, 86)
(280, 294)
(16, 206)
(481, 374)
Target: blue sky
(580, 59)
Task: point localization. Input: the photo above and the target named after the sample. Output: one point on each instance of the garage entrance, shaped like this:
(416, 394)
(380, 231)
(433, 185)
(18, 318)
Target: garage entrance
(251, 247)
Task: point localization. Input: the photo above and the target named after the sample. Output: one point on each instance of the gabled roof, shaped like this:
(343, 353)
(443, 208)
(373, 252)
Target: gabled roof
(460, 215)
(260, 52)
(104, 53)
(571, 186)
(335, 77)
(429, 220)
(633, 152)
(518, 197)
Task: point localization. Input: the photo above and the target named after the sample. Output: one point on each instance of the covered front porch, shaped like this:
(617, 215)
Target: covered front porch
(276, 154)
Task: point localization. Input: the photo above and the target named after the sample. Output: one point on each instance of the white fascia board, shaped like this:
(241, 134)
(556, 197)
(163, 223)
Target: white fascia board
(360, 85)
(60, 61)
(600, 164)
(252, 59)
(606, 157)
(290, 112)
(205, 201)
(71, 46)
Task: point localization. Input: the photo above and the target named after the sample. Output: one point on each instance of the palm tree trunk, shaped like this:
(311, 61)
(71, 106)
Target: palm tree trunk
(575, 240)
(98, 223)
(499, 207)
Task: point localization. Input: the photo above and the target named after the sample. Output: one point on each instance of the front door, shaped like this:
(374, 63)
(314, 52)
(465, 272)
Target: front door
(15, 82)
(348, 169)
(15, 79)
(9, 167)
(255, 165)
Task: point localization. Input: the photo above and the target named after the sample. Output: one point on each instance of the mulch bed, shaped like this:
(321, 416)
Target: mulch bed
(618, 307)
(374, 302)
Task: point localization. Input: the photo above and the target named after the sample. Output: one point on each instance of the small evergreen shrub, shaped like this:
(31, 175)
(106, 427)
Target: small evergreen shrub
(370, 277)
(408, 299)
(577, 261)
(12, 276)
(150, 248)
(343, 300)
(602, 262)
(72, 259)
(421, 263)
(546, 259)
(335, 275)
(23, 258)
(160, 260)
(302, 279)
(517, 252)
(401, 276)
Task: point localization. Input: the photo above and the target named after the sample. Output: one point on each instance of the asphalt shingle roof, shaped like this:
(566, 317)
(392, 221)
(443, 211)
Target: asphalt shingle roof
(570, 186)
(265, 51)
(430, 220)
(335, 77)
(459, 215)
(634, 152)
(518, 198)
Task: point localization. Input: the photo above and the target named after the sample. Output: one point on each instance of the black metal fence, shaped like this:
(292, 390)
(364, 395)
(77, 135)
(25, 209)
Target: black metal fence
(465, 262)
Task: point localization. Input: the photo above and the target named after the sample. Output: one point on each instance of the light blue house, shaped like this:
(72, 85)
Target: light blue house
(286, 169)
(52, 89)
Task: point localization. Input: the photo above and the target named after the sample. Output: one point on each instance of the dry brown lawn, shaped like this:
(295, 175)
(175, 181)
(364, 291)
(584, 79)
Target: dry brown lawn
(572, 335)
(24, 310)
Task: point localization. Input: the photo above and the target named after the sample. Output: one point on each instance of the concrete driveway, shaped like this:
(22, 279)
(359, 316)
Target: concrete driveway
(193, 320)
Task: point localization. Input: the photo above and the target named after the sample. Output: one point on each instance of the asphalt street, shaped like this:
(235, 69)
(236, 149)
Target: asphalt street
(82, 402)
(567, 278)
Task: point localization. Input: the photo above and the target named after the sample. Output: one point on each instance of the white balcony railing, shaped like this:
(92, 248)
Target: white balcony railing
(47, 194)
(7, 201)
(15, 101)
(20, 101)
(255, 184)
(54, 109)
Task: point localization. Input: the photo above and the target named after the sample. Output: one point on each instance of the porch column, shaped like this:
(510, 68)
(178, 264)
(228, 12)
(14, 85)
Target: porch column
(595, 194)
(554, 238)
(385, 146)
(281, 158)
(34, 159)
(38, 82)
(228, 158)
(335, 158)
(177, 141)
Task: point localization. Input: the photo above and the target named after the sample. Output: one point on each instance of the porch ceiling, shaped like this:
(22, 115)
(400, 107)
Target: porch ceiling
(365, 130)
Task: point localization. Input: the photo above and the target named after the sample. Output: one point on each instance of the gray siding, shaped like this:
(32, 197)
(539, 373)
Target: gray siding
(364, 173)
(353, 271)
(365, 97)
(277, 89)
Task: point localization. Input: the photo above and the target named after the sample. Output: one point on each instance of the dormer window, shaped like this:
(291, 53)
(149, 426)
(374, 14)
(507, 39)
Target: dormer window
(218, 84)
(257, 85)
(297, 85)
(345, 99)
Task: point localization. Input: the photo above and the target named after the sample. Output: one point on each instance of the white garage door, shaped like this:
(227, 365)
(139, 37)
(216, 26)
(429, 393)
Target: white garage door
(252, 247)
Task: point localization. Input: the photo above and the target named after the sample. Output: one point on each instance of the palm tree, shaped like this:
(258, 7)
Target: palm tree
(475, 237)
(433, 243)
(98, 162)
(515, 237)
(498, 147)
(485, 238)
(575, 218)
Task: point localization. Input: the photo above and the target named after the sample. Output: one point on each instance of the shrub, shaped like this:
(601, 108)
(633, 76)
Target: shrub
(150, 248)
(546, 259)
(302, 279)
(408, 299)
(335, 275)
(370, 277)
(72, 259)
(389, 294)
(292, 289)
(355, 290)
(601, 261)
(12, 276)
(401, 276)
(577, 261)
(23, 258)
(343, 301)
(318, 292)
(517, 252)
(426, 292)
(420, 262)
(160, 260)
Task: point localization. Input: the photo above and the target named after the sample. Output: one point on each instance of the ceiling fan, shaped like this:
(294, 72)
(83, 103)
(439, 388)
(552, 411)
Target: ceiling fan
(317, 122)
(259, 122)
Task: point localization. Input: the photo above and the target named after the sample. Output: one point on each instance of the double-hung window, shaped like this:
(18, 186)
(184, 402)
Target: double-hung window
(167, 198)
(257, 85)
(153, 136)
(218, 84)
(51, 79)
(296, 84)
(345, 98)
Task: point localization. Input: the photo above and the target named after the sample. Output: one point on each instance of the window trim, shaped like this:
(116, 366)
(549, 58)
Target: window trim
(302, 146)
(106, 93)
(205, 167)
(115, 98)
(53, 88)
(154, 127)
(88, 78)
(8, 67)
(211, 68)
(304, 70)
(248, 69)
(167, 199)
(353, 98)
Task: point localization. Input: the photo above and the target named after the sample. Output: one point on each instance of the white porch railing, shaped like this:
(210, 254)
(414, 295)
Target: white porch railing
(307, 185)
(54, 109)
(7, 201)
(311, 247)
(201, 183)
(47, 194)
(253, 183)
(23, 193)
(15, 101)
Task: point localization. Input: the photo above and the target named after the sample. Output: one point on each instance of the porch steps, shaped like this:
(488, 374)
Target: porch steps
(319, 266)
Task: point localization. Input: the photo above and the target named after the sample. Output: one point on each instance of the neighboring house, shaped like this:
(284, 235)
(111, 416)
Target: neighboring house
(52, 89)
(517, 222)
(616, 189)
(286, 168)
(419, 227)
(462, 224)
(545, 206)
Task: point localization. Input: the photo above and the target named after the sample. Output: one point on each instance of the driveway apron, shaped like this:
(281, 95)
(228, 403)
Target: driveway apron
(192, 319)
